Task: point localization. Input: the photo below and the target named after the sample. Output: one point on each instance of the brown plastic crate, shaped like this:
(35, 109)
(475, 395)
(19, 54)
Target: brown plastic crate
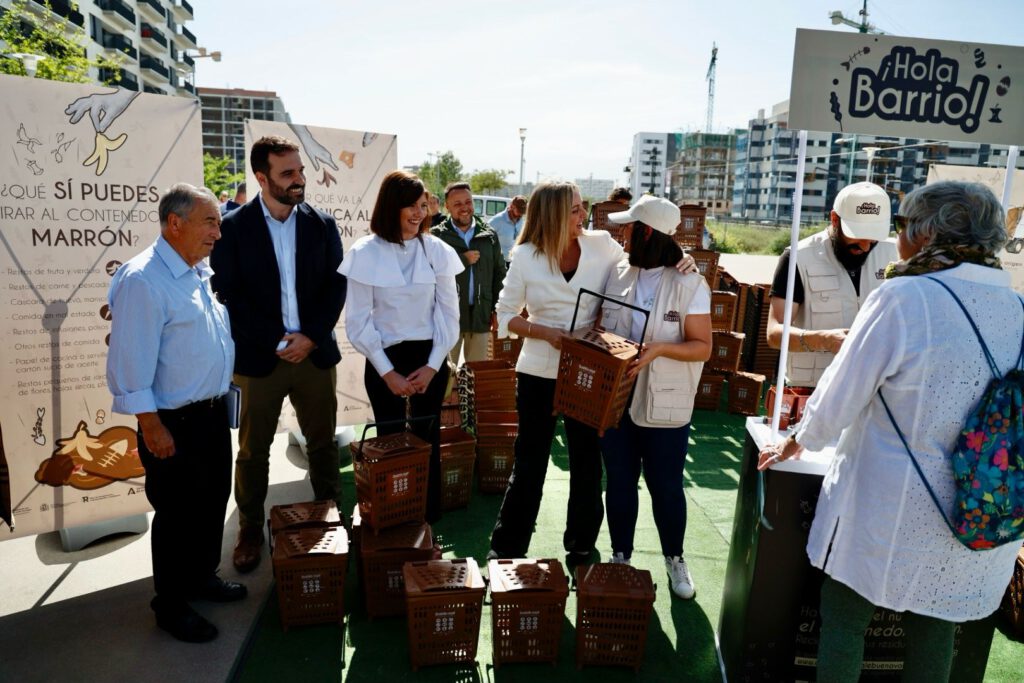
(527, 607)
(709, 391)
(495, 457)
(613, 609)
(381, 559)
(1013, 600)
(725, 351)
(458, 454)
(443, 601)
(793, 401)
(497, 424)
(599, 215)
(592, 386)
(745, 393)
(309, 570)
(723, 311)
(355, 530)
(309, 515)
(690, 231)
(451, 412)
(505, 348)
(707, 264)
(391, 479)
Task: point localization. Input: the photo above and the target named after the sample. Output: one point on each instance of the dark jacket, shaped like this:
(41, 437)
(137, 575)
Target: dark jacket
(247, 280)
(488, 272)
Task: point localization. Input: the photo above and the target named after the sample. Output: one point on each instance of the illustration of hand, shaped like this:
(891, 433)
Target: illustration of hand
(103, 108)
(315, 152)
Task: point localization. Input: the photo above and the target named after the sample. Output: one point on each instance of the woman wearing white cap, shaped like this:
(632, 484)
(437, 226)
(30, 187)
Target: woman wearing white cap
(653, 434)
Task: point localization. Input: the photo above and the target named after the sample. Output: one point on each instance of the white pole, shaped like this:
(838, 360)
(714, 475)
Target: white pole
(1011, 166)
(794, 237)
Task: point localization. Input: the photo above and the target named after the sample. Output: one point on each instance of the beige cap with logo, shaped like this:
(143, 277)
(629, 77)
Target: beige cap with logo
(864, 211)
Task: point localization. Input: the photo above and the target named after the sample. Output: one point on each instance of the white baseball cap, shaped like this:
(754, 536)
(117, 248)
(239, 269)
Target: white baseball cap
(660, 214)
(864, 212)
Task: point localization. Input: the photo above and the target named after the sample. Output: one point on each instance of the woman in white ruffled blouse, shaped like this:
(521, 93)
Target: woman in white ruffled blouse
(402, 313)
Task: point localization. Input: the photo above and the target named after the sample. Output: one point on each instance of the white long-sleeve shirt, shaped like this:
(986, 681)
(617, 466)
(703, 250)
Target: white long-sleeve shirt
(401, 292)
(876, 528)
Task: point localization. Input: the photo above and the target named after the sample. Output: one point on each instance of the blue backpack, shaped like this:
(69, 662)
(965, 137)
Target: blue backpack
(988, 459)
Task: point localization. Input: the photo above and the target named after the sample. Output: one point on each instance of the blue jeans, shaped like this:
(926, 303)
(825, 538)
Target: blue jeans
(661, 454)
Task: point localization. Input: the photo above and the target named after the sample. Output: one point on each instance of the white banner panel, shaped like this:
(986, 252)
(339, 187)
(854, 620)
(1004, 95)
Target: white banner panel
(907, 87)
(344, 170)
(82, 168)
(992, 178)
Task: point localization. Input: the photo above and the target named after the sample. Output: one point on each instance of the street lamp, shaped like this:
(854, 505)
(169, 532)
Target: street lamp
(28, 60)
(522, 158)
(853, 154)
(871, 151)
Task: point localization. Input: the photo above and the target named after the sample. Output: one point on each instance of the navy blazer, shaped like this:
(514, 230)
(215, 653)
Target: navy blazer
(247, 280)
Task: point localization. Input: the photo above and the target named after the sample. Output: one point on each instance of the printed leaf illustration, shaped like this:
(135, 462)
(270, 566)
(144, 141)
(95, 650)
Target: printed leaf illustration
(834, 100)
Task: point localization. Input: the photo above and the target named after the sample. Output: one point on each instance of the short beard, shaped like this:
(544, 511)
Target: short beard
(849, 260)
(281, 195)
(460, 225)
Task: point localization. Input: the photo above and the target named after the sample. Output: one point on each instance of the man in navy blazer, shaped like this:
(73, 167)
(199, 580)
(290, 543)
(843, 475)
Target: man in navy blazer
(276, 269)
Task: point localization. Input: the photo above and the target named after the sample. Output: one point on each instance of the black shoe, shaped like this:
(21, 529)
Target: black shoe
(183, 622)
(216, 589)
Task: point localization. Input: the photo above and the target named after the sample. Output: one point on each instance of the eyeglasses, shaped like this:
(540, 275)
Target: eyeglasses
(899, 223)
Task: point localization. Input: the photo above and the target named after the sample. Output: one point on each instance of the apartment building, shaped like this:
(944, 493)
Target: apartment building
(703, 171)
(224, 112)
(648, 161)
(149, 35)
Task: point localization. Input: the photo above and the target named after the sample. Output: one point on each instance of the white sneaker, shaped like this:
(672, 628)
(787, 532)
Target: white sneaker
(679, 577)
(619, 558)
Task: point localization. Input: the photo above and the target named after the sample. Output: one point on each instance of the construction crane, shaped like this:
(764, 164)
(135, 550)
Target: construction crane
(710, 78)
(863, 26)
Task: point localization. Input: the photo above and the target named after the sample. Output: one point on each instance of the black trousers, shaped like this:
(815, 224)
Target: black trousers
(189, 492)
(584, 510)
(406, 357)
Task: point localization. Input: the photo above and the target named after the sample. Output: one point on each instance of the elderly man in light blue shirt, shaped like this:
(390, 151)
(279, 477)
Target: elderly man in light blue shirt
(170, 364)
(509, 223)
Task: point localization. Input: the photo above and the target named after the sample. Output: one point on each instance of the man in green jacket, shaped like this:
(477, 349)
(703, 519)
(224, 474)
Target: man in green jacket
(479, 284)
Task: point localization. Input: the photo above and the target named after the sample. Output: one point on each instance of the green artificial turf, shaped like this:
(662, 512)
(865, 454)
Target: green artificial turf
(681, 634)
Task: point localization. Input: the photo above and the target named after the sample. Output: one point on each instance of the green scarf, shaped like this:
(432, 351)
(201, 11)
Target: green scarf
(936, 257)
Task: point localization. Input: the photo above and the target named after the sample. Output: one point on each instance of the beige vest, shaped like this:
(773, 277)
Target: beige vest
(665, 388)
(830, 301)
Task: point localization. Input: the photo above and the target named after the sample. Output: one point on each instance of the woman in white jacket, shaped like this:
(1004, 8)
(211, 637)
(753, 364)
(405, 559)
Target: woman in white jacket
(653, 434)
(402, 313)
(553, 259)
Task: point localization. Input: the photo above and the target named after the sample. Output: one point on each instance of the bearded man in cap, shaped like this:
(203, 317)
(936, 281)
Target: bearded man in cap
(836, 269)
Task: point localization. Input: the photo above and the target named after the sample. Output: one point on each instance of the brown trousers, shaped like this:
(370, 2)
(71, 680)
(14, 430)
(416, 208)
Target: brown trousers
(311, 392)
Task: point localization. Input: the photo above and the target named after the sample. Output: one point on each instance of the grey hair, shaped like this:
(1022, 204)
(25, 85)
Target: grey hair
(955, 212)
(180, 199)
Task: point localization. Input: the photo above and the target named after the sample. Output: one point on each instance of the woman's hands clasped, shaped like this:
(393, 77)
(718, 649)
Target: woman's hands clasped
(416, 383)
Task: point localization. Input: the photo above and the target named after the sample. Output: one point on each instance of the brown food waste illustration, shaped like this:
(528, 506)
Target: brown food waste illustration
(86, 462)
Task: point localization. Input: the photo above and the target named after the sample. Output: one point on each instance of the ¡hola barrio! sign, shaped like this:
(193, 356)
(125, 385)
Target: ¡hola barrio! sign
(907, 87)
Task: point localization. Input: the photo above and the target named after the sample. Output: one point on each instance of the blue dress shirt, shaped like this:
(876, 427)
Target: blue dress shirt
(282, 234)
(467, 237)
(170, 342)
(507, 231)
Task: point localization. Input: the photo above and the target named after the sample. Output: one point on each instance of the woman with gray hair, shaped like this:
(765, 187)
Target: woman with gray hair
(877, 534)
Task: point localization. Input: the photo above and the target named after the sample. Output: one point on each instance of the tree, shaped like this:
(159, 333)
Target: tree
(447, 168)
(60, 41)
(483, 182)
(216, 175)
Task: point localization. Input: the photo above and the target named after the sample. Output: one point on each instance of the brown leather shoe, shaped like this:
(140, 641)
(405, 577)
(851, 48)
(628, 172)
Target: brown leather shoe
(246, 556)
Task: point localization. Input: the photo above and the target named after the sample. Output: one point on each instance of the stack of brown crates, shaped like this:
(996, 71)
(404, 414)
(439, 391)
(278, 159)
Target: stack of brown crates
(310, 560)
(690, 231)
(1013, 600)
(391, 490)
(458, 454)
(488, 392)
(600, 218)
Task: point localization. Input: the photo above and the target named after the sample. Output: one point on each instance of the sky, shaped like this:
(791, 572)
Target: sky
(581, 77)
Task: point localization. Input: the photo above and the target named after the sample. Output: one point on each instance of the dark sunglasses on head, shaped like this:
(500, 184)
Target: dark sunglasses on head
(899, 223)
